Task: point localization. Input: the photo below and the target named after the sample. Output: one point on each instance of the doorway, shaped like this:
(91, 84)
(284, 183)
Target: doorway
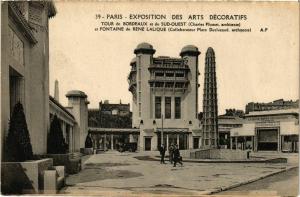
(267, 139)
(196, 142)
(147, 143)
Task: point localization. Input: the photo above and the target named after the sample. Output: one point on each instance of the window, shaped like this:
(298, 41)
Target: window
(177, 107)
(15, 88)
(140, 111)
(140, 97)
(159, 84)
(206, 142)
(213, 142)
(167, 107)
(169, 85)
(159, 74)
(157, 107)
(179, 75)
(169, 74)
(179, 85)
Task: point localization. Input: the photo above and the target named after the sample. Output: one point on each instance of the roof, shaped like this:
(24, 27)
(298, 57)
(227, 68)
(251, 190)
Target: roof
(76, 93)
(210, 52)
(273, 112)
(144, 45)
(144, 48)
(223, 119)
(110, 107)
(60, 106)
(189, 50)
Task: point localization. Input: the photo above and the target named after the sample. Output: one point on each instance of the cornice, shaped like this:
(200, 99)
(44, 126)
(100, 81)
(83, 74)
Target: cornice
(21, 22)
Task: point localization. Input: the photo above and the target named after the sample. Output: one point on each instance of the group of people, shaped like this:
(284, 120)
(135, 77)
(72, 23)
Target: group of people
(174, 154)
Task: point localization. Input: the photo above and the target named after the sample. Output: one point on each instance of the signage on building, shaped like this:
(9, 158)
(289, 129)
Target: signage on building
(267, 124)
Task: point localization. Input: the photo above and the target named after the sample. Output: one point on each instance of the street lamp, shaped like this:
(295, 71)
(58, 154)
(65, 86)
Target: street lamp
(162, 130)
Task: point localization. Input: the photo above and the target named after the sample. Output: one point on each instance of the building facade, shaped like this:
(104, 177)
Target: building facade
(78, 107)
(73, 118)
(67, 122)
(274, 130)
(227, 122)
(210, 102)
(25, 66)
(275, 105)
(165, 98)
(111, 126)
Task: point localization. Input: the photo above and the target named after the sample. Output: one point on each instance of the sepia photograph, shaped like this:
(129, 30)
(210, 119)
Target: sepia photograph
(155, 98)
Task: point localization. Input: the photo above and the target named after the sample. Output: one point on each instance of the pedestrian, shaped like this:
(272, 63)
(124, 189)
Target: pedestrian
(162, 151)
(171, 150)
(177, 158)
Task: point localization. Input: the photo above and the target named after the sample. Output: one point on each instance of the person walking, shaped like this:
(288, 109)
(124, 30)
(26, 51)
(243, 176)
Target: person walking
(171, 151)
(177, 158)
(162, 151)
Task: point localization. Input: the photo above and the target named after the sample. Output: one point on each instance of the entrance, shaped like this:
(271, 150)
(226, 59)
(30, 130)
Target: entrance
(196, 142)
(147, 143)
(267, 139)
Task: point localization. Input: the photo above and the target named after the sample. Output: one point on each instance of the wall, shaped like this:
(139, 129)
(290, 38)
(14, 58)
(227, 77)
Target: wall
(33, 90)
(224, 154)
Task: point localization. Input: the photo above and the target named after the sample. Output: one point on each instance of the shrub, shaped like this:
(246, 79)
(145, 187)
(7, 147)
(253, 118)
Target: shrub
(56, 142)
(88, 141)
(17, 145)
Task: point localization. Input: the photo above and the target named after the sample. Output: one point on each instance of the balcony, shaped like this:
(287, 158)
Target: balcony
(168, 63)
(175, 86)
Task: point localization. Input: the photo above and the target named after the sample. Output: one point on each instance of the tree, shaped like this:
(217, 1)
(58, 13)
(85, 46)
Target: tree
(56, 142)
(88, 141)
(17, 146)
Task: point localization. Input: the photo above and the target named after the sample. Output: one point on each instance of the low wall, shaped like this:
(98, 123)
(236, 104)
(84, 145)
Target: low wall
(225, 154)
(87, 151)
(187, 153)
(24, 177)
(71, 161)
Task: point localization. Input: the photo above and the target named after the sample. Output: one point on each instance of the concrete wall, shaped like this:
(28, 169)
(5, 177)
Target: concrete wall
(78, 106)
(33, 88)
(24, 177)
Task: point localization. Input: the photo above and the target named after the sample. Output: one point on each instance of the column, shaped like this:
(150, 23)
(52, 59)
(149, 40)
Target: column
(104, 142)
(279, 141)
(167, 142)
(236, 147)
(112, 141)
(230, 143)
(131, 139)
(245, 143)
(177, 139)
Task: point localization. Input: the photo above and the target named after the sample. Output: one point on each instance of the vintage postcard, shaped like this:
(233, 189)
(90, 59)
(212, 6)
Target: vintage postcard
(158, 98)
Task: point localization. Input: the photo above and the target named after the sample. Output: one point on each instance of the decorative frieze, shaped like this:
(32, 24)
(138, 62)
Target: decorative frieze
(16, 47)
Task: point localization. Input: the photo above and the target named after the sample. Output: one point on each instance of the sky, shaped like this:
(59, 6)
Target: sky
(256, 66)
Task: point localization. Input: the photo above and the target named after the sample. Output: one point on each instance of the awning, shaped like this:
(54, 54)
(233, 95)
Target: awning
(113, 130)
(173, 130)
(289, 128)
(245, 130)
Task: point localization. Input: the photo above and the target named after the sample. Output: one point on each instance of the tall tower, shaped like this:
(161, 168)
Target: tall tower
(56, 91)
(78, 106)
(210, 102)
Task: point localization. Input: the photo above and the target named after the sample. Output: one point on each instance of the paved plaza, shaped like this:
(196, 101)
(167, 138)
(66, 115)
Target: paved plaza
(114, 172)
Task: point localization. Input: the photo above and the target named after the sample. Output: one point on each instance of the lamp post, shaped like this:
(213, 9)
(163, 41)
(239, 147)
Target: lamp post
(162, 130)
